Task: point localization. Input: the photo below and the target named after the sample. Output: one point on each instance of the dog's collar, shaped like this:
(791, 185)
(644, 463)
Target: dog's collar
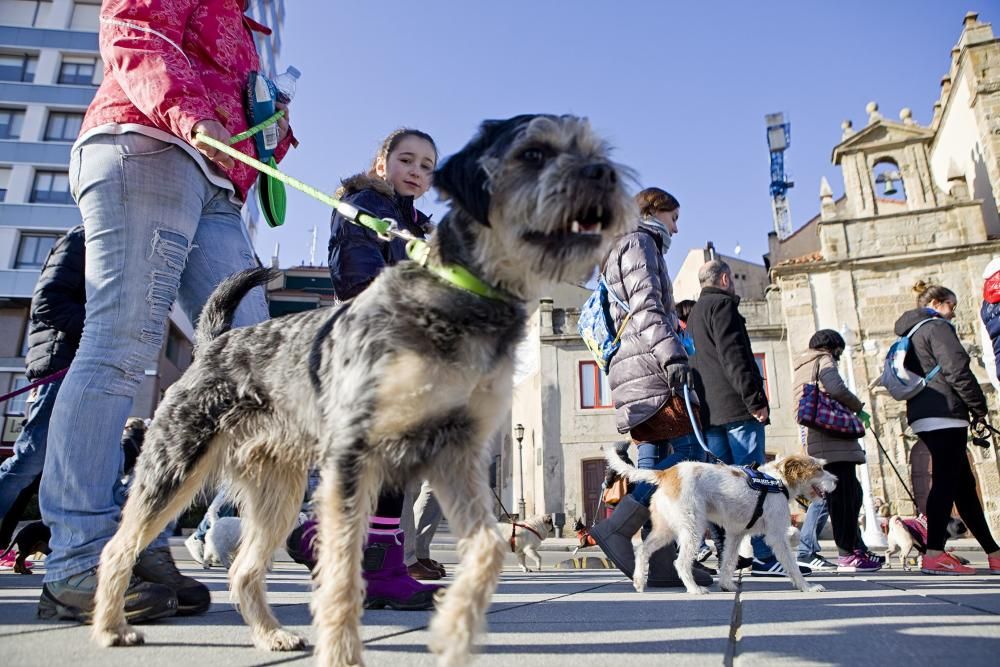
(457, 275)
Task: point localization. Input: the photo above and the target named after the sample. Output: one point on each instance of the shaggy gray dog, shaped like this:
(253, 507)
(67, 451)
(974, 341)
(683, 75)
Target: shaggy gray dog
(407, 381)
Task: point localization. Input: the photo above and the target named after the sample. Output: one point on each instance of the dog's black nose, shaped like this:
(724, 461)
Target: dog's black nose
(600, 172)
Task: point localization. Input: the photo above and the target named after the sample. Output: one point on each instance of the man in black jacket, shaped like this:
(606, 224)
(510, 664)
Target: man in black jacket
(57, 309)
(734, 407)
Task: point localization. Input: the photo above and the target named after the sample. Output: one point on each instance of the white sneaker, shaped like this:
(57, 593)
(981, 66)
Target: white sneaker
(818, 564)
(196, 548)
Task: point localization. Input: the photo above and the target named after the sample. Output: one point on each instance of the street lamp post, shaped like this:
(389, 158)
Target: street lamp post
(873, 533)
(519, 435)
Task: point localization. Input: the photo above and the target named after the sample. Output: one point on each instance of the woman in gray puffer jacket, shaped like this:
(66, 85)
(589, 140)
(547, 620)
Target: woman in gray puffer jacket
(819, 365)
(647, 376)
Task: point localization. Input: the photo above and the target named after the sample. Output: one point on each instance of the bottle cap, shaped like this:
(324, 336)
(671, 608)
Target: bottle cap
(293, 72)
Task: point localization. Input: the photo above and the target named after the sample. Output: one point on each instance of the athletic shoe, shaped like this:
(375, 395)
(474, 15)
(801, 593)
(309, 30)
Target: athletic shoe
(196, 547)
(944, 564)
(772, 568)
(157, 566)
(857, 562)
(72, 599)
(7, 561)
(994, 564)
(818, 564)
(880, 559)
(703, 553)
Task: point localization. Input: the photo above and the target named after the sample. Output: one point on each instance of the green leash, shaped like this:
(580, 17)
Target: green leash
(416, 248)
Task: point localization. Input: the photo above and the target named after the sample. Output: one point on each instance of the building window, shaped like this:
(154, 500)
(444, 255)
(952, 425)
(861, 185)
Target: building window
(4, 180)
(761, 360)
(18, 67)
(86, 16)
(11, 121)
(15, 406)
(63, 126)
(594, 389)
(173, 350)
(77, 71)
(32, 250)
(51, 187)
(25, 12)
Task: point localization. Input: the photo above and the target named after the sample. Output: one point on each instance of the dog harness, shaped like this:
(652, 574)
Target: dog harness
(917, 528)
(513, 533)
(763, 485)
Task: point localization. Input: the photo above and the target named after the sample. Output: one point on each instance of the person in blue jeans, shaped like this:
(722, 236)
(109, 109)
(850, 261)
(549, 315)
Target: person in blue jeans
(56, 323)
(734, 405)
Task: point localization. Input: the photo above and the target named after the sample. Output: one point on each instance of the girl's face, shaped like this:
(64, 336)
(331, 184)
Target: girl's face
(945, 309)
(409, 167)
(669, 219)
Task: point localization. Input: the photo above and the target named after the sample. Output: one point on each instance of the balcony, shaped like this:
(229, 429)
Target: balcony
(39, 216)
(36, 93)
(34, 152)
(43, 38)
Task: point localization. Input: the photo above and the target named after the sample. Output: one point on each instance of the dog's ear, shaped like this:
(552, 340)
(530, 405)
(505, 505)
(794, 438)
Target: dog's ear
(464, 178)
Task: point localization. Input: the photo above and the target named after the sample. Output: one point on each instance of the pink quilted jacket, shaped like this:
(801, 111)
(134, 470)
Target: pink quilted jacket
(169, 64)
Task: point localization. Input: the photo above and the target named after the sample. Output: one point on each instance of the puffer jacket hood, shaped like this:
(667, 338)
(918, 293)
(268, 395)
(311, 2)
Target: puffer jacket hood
(637, 273)
(358, 182)
(954, 393)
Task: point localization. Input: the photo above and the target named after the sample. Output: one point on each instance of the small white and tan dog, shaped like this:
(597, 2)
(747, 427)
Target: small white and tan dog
(909, 533)
(690, 495)
(525, 536)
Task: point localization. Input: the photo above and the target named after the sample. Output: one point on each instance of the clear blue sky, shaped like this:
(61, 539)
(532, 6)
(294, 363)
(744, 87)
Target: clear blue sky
(679, 89)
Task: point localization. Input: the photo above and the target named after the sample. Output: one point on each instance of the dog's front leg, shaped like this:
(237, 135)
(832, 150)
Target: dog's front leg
(535, 556)
(730, 554)
(522, 561)
(466, 501)
(778, 541)
(344, 500)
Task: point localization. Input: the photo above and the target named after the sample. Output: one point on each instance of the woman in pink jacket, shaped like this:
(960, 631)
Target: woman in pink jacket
(161, 214)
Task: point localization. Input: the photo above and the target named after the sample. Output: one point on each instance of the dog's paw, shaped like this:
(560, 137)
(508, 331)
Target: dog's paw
(728, 586)
(638, 585)
(280, 640)
(125, 635)
(698, 590)
(814, 588)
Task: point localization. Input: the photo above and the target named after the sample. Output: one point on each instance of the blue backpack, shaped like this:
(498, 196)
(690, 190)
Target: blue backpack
(902, 383)
(596, 326)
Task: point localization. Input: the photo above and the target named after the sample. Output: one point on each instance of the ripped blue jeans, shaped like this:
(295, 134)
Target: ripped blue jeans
(157, 232)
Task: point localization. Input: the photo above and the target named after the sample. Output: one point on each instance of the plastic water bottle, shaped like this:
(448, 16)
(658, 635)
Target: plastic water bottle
(285, 83)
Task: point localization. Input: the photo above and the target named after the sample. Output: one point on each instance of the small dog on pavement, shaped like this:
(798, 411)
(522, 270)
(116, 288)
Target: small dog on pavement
(30, 540)
(525, 536)
(408, 380)
(909, 533)
(690, 495)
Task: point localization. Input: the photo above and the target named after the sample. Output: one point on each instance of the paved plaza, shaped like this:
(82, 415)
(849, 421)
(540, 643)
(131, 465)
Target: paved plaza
(574, 618)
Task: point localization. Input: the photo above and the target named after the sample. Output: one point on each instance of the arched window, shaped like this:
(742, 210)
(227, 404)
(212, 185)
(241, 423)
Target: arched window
(888, 180)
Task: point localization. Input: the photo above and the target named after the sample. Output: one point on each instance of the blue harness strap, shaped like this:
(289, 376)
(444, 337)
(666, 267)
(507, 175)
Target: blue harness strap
(763, 485)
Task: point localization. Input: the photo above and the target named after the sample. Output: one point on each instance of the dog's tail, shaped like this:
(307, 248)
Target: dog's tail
(217, 315)
(631, 473)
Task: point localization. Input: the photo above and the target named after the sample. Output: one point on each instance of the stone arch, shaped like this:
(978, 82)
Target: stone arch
(887, 179)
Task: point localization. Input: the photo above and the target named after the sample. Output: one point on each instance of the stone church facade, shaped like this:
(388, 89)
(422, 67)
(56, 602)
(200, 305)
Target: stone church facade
(919, 203)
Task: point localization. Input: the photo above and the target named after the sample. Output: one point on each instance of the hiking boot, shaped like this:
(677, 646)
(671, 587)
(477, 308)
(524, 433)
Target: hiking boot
(817, 563)
(772, 568)
(157, 566)
(434, 565)
(663, 574)
(422, 572)
(857, 562)
(196, 547)
(614, 534)
(388, 583)
(72, 599)
(946, 564)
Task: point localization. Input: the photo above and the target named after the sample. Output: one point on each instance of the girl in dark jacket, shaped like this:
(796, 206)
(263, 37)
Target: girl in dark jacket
(939, 415)
(401, 171)
(647, 376)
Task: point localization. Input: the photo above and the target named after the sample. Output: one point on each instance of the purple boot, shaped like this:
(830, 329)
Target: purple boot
(388, 582)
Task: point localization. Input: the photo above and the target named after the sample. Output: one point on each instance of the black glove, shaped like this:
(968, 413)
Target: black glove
(678, 377)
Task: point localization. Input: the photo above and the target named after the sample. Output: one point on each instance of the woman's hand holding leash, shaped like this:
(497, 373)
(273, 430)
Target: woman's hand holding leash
(215, 130)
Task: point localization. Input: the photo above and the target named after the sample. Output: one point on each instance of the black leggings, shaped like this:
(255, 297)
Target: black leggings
(389, 506)
(952, 482)
(844, 503)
